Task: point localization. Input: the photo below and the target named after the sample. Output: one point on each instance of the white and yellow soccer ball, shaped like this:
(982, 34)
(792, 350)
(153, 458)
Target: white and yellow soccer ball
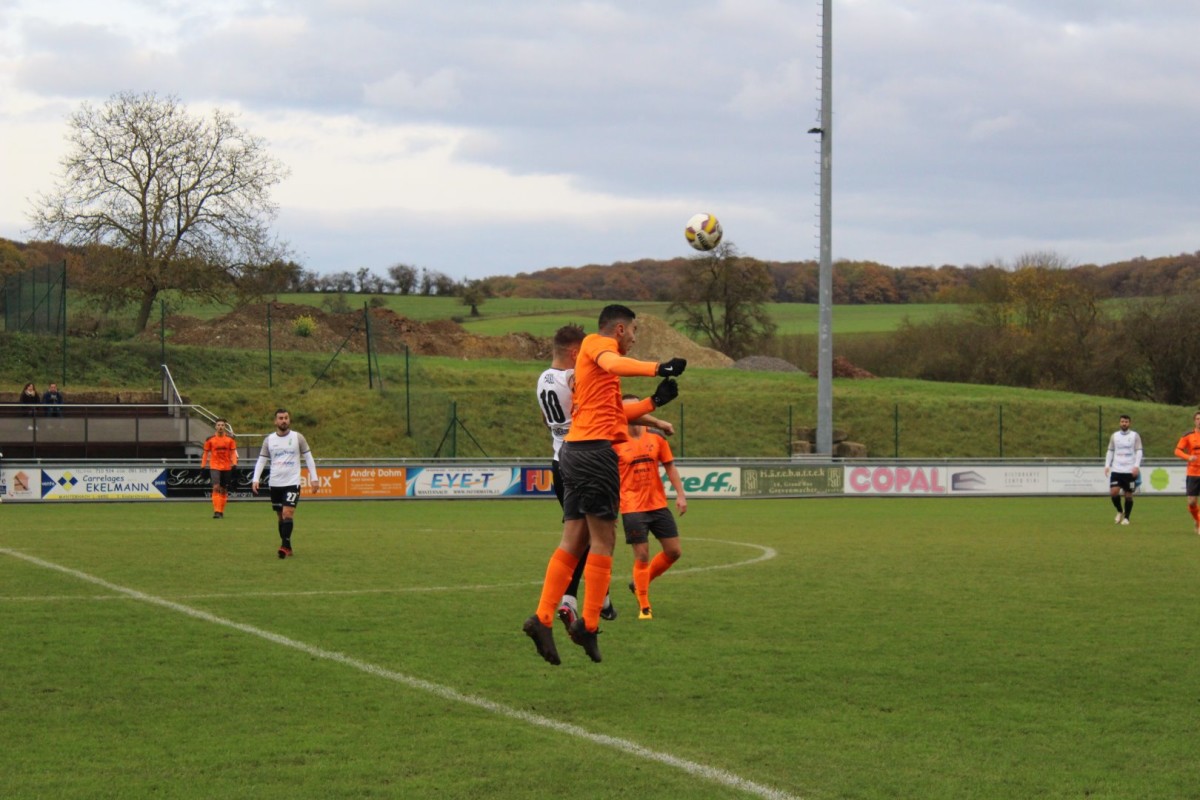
(703, 232)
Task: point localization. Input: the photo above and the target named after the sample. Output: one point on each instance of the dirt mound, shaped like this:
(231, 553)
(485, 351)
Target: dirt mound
(246, 328)
(658, 341)
(844, 368)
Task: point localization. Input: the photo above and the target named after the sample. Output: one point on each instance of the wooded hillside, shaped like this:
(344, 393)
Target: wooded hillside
(854, 282)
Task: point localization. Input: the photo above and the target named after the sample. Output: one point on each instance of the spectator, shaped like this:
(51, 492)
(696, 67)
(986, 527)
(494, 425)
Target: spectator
(53, 400)
(29, 397)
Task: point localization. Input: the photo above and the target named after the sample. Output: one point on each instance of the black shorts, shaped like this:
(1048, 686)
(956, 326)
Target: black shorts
(1193, 485)
(591, 479)
(556, 480)
(284, 496)
(222, 478)
(1122, 479)
(638, 524)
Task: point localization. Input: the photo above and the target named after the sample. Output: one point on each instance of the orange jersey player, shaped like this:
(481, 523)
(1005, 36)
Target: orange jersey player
(644, 507)
(220, 456)
(1188, 449)
(591, 481)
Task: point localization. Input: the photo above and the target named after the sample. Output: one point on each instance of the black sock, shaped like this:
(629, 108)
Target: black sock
(1116, 501)
(1128, 507)
(285, 532)
(573, 586)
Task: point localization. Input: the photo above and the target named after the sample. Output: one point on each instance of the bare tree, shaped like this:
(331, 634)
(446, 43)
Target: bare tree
(723, 296)
(184, 201)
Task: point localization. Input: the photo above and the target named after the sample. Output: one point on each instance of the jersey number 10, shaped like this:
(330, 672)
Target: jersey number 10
(551, 407)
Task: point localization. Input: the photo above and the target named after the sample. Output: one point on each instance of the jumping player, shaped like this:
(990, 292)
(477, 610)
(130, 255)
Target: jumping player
(283, 451)
(591, 482)
(220, 456)
(555, 392)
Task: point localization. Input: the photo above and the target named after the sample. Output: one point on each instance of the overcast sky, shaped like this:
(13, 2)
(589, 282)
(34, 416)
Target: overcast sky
(492, 137)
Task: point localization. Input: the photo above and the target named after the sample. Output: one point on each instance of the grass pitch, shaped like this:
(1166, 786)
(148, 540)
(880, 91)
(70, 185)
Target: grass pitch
(857, 648)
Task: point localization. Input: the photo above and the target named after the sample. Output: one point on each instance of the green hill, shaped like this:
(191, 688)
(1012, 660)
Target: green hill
(720, 413)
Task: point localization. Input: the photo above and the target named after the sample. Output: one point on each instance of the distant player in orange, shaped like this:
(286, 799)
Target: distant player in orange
(591, 481)
(1188, 448)
(644, 507)
(221, 456)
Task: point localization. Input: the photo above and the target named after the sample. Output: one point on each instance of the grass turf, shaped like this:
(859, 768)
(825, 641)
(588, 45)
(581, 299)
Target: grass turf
(865, 648)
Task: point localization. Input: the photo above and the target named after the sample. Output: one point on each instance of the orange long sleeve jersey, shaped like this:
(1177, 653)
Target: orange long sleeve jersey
(597, 411)
(220, 452)
(1189, 446)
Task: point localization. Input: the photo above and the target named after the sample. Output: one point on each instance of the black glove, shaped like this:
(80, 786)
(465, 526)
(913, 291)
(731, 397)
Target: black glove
(671, 369)
(667, 391)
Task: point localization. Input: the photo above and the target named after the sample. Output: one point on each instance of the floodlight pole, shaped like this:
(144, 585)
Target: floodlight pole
(825, 274)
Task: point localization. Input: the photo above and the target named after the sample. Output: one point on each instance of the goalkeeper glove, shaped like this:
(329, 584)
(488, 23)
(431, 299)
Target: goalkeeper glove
(671, 369)
(667, 391)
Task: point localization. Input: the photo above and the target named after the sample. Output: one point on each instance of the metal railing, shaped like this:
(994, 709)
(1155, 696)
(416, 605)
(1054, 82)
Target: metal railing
(100, 429)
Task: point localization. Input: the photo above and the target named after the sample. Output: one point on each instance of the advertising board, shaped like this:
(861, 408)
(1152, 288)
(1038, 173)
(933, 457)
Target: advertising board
(489, 481)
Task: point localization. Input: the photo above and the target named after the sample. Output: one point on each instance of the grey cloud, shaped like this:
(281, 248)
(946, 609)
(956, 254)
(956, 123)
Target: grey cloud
(957, 124)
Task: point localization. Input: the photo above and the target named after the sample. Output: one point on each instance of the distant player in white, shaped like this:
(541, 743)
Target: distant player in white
(1122, 465)
(283, 451)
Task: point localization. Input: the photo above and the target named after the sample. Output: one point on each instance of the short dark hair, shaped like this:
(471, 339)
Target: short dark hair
(220, 419)
(568, 336)
(615, 313)
(279, 411)
(1126, 416)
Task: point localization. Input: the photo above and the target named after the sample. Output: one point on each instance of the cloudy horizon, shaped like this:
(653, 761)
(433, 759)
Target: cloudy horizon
(482, 139)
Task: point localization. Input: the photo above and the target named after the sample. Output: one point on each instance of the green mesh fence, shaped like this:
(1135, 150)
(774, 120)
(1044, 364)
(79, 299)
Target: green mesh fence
(35, 300)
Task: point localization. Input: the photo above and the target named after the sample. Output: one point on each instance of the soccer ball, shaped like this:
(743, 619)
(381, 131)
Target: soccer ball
(703, 232)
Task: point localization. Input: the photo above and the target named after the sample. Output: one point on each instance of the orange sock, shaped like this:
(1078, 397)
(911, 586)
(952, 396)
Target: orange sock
(558, 576)
(659, 564)
(641, 582)
(1195, 511)
(216, 500)
(597, 573)
(222, 499)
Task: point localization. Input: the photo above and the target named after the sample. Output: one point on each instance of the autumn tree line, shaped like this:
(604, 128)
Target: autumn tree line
(154, 198)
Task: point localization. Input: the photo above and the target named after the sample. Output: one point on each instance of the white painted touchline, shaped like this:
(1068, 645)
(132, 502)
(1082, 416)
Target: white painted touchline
(712, 774)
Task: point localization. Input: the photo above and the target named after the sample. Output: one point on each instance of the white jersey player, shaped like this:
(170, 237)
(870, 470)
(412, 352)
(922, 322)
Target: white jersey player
(1123, 466)
(554, 390)
(283, 450)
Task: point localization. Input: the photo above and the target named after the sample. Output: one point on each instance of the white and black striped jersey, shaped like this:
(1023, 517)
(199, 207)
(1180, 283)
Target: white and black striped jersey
(555, 389)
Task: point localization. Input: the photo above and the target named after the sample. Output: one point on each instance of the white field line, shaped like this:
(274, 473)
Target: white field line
(765, 554)
(703, 771)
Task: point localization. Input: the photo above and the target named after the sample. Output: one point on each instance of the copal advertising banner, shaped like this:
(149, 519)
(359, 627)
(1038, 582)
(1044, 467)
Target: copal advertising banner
(889, 479)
